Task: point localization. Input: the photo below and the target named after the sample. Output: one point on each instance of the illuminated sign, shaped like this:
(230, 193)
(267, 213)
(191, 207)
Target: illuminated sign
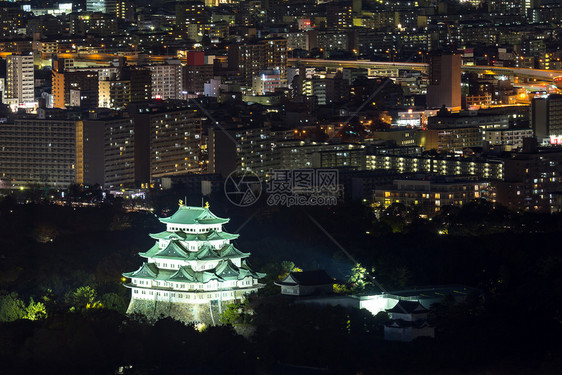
(556, 139)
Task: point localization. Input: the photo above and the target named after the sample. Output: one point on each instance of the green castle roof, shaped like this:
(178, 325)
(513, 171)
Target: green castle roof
(244, 266)
(151, 252)
(146, 271)
(184, 274)
(225, 270)
(175, 250)
(206, 252)
(193, 215)
(229, 252)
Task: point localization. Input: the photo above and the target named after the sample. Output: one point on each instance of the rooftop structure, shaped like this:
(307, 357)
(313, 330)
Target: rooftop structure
(306, 283)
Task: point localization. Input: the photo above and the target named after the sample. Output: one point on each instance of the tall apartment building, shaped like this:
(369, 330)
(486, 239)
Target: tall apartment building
(190, 13)
(297, 154)
(108, 157)
(57, 148)
(241, 149)
(250, 148)
(222, 150)
(546, 118)
(118, 87)
(532, 178)
(96, 6)
(125, 9)
(141, 83)
(166, 80)
(444, 87)
(171, 131)
(339, 15)
(11, 18)
(249, 59)
(331, 89)
(277, 57)
(39, 151)
(114, 93)
(19, 79)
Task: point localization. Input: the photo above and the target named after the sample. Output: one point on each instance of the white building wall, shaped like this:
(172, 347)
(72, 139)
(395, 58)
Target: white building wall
(166, 81)
(20, 79)
(193, 228)
(187, 297)
(377, 303)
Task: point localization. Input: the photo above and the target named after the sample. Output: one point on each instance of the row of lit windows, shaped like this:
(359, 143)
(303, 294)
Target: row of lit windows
(181, 295)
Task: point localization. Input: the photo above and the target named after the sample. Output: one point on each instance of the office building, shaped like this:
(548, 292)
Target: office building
(190, 13)
(489, 169)
(444, 87)
(266, 82)
(532, 178)
(249, 59)
(339, 15)
(171, 131)
(114, 93)
(511, 138)
(73, 87)
(297, 154)
(431, 193)
(546, 118)
(195, 77)
(453, 139)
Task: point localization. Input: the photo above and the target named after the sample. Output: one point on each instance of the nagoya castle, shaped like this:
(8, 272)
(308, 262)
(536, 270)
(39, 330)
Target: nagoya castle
(193, 271)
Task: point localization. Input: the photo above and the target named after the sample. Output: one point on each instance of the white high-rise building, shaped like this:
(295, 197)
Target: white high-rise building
(19, 80)
(95, 6)
(166, 80)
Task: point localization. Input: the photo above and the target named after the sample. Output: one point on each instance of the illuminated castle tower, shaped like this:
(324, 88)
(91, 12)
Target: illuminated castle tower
(192, 271)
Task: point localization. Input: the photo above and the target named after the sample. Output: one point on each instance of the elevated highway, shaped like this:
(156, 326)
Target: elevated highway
(524, 73)
(538, 74)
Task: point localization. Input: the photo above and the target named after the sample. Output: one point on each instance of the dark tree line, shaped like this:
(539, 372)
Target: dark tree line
(50, 253)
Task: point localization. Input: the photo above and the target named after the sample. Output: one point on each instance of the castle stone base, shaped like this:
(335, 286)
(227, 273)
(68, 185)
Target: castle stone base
(207, 313)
